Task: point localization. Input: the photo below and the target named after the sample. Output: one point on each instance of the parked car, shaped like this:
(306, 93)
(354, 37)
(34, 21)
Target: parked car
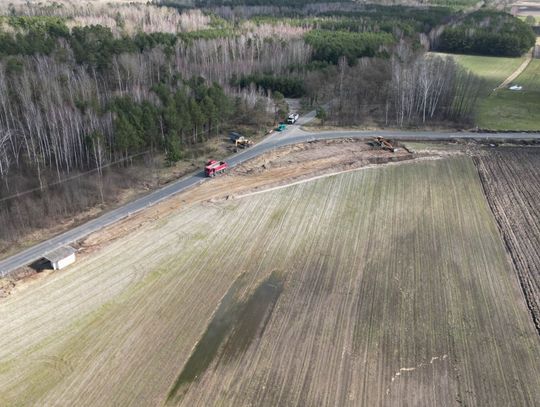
(281, 127)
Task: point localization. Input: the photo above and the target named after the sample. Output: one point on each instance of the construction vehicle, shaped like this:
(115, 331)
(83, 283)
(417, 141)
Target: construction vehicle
(243, 142)
(233, 136)
(281, 127)
(384, 144)
(214, 167)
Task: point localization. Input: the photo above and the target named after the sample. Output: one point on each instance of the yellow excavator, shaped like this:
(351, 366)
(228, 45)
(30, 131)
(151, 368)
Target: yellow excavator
(242, 142)
(385, 144)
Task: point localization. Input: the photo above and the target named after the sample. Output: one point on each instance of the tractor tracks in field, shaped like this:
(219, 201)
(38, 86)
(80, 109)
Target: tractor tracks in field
(404, 370)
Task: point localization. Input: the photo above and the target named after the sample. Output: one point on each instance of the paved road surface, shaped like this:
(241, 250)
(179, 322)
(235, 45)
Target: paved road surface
(291, 136)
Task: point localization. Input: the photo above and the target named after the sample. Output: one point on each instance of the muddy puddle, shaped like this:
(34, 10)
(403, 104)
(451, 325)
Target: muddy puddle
(235, 325)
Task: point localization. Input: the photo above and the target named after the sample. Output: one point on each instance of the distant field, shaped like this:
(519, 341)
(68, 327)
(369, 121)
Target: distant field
(514, 110)
(386, 286)
(505, 109)
(493, 69)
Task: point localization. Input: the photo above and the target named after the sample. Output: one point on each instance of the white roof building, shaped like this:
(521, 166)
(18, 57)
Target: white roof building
(62, 257)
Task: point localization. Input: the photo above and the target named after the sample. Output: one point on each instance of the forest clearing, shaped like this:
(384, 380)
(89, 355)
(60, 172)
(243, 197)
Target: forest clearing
(387, 285)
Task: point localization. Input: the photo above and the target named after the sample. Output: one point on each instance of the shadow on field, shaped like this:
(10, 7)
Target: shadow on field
(233, 328)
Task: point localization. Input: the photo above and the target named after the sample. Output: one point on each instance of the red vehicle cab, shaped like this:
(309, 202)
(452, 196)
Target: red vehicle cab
(214, 167)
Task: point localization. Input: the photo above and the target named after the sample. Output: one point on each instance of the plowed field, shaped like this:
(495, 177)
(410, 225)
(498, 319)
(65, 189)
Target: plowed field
(511, 179)
(384, 286)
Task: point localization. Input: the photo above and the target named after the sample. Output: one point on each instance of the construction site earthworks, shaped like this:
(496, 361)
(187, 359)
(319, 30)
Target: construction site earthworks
(328, 273)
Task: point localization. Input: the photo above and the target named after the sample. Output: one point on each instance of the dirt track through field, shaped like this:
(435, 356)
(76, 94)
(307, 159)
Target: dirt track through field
(396, 291)
(518, 71)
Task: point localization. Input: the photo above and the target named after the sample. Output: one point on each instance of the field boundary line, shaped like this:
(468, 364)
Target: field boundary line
(518, 71)
(331, 174)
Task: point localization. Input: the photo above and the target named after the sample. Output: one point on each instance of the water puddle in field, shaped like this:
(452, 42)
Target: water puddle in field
(233, 328)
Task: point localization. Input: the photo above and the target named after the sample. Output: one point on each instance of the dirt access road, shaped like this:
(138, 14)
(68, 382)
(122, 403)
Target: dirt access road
(518, 71)
(293, 135)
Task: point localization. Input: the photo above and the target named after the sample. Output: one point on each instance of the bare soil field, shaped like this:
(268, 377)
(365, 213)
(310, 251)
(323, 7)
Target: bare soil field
(382, 286)
(510, 177)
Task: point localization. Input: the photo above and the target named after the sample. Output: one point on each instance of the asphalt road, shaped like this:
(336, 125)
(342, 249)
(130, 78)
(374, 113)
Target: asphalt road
(292, 135)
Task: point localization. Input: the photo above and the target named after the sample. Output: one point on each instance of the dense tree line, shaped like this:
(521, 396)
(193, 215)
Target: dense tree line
(407, 89)
(488, 32)
(93, 44)
(239, 9)
(289, 86)
(188, 114)
(399, 26)
(32, 35)
(217, 3)
(123, 18)
(59, 120)
(97, 99)
(399, 20)
(409, 20)
(48, 106)
(331, 45)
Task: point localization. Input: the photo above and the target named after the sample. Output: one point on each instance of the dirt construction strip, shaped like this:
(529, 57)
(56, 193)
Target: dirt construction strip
(517, 72)
(331, 174)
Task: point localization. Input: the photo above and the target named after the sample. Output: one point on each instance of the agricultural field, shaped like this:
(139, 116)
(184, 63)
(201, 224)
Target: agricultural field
(510, 178)
(504, 109)
(514, 110)
(383, 286)
(493, 69)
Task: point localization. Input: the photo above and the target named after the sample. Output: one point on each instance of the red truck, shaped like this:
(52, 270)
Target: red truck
(214, 167)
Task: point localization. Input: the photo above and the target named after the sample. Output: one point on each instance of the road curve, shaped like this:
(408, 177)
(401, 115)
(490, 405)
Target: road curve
(293, 135)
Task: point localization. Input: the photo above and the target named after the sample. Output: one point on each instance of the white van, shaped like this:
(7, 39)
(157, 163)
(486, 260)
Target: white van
(293, 117)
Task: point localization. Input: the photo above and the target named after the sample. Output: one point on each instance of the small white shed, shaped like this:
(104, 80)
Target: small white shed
(62, 257)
